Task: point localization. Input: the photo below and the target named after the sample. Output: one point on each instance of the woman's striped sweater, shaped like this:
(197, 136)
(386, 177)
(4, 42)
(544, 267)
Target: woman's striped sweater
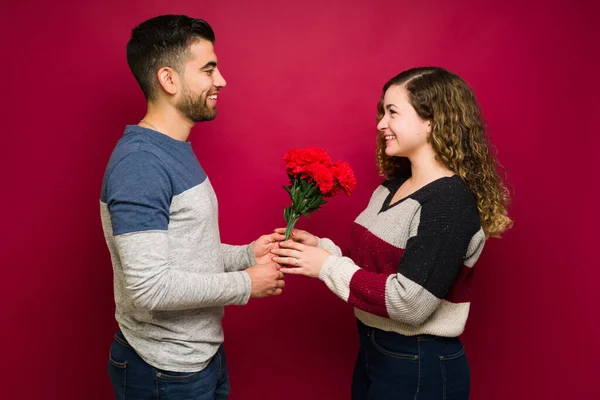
(412, 261)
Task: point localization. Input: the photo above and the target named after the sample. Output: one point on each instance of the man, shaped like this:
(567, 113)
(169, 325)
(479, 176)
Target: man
(172, 275)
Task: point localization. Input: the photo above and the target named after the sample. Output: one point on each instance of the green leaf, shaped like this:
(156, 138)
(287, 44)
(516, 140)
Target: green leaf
(296, 197)
(315, 200)
(303, 185)
(288, 189)
(286, 213)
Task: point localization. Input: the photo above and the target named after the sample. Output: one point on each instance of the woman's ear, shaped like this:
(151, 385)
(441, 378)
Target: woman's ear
(427, 127)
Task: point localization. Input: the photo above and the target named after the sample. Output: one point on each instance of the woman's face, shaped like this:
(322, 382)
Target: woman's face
(404, 131)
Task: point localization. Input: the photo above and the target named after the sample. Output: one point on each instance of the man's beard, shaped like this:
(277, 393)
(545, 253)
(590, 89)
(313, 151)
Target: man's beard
(194, 107)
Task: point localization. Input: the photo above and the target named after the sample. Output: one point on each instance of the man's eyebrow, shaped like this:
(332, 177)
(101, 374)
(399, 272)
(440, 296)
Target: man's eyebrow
(388, 106)
(210, 64)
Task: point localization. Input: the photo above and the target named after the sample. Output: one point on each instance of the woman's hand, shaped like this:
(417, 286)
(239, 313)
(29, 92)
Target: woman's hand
(299, 258)
(300, 237)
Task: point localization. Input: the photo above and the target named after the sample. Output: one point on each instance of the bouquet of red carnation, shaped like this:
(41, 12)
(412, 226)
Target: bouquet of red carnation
(312, 177)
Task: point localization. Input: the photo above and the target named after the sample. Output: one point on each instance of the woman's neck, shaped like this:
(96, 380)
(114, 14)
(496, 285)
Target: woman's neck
(425, 168)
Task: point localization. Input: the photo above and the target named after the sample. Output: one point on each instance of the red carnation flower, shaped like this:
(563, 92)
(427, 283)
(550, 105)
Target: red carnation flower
(322, 175)
(313, 176)
(297, 160)
(344, 176)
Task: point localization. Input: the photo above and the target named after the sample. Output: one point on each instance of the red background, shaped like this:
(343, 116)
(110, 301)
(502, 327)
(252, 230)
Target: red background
(301, 73)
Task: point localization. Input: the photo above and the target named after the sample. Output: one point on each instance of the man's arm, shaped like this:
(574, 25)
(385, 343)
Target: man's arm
(138, 198)
(237, 258)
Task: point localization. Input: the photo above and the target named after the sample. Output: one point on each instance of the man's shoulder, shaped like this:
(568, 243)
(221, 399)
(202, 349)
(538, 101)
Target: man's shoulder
(137, 156)
(137, 146)
(141, 157)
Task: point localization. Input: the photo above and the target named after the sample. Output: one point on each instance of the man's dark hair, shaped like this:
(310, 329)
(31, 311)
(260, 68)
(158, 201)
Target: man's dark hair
(163, 41)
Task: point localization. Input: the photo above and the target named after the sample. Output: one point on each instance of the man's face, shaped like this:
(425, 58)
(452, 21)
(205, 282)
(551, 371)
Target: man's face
(200, 83)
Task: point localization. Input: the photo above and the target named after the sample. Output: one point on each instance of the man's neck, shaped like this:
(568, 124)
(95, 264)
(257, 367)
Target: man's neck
(168, 121)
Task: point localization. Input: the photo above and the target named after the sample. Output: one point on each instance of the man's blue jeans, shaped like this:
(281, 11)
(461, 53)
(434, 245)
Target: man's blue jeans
(134, 379)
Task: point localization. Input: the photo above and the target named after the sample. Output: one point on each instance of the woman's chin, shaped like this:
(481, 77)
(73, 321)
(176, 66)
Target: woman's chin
(393, 151)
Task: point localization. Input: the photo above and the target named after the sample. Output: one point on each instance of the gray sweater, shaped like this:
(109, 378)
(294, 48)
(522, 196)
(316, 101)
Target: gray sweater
(172, 275)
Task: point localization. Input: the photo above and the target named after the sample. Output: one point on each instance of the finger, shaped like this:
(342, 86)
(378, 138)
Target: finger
(297, 234)
(280, 284)
(300, 235)
(285, 261)
(293, 271)
(281, 275)
(286, 252)
(263, 241)
(276, 237)
(266, 239)
(277, 292)
(290, 244)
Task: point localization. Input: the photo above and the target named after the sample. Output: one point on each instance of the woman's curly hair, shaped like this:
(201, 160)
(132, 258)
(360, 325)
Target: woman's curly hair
(458, 137)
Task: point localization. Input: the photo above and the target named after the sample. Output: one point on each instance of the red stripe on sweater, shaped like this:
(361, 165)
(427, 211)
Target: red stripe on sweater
(367, 292)
(460, 292)
(377, 260)
(373, 254)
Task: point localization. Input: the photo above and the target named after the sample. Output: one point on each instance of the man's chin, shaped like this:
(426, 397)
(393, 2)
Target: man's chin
(204, 117)
(208, 117)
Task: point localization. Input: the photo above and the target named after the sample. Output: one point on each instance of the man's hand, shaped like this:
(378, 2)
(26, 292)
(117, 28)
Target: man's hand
(266, 280)
(263, 245)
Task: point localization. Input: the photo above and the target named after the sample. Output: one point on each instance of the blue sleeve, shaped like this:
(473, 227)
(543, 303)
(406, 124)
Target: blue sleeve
(138, 194)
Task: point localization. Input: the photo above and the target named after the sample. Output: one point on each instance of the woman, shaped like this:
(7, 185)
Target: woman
(414, 246)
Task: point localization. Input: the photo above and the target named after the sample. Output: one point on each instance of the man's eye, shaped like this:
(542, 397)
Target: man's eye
(210, 71)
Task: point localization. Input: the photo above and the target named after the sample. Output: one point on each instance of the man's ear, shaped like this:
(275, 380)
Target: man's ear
(168, 79)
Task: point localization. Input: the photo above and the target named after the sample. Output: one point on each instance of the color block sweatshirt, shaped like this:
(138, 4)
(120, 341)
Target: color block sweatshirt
(172, 275)
(412, 261)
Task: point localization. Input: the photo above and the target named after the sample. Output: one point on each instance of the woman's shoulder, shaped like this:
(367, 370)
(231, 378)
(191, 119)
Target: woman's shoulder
(450, 187)
(449, 203)
(449, 194)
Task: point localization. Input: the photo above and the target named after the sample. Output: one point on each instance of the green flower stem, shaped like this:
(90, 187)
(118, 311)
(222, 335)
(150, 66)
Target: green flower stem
(290, 225)
(306, 198)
